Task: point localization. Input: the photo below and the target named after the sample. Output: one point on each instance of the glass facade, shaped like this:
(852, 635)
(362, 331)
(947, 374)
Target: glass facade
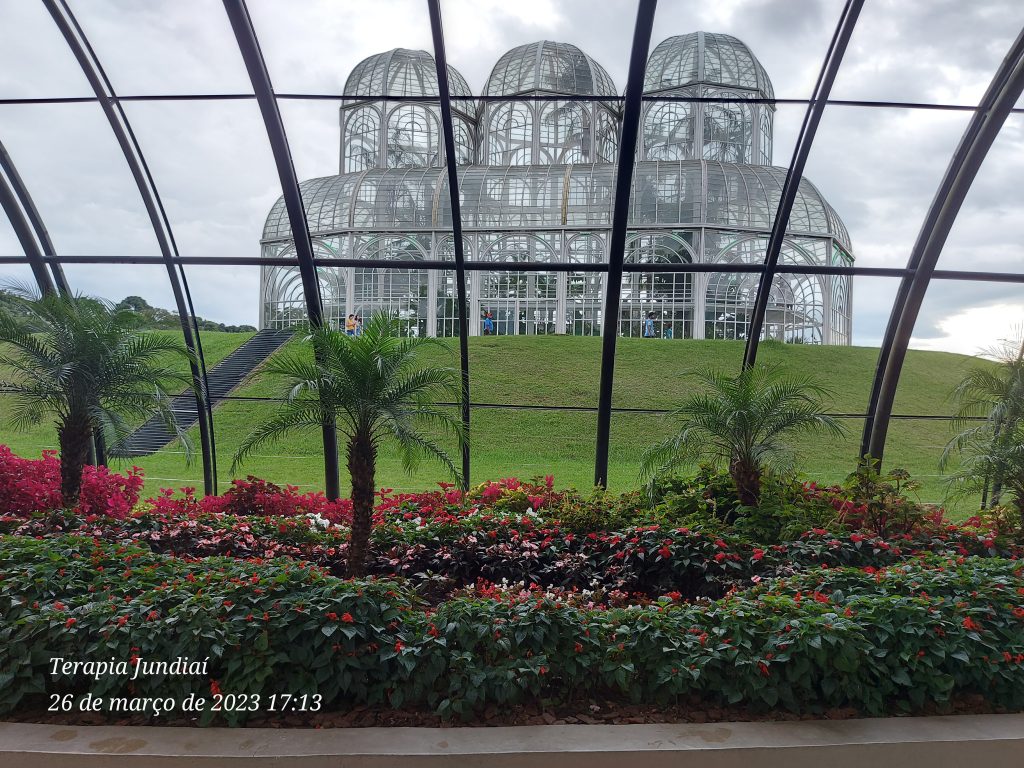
(537, 180)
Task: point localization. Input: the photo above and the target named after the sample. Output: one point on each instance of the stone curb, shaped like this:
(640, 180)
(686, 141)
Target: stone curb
(992, 741)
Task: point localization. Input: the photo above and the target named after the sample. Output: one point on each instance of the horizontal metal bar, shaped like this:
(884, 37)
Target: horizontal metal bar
(172, 97)
(531, 266)
(582, 408)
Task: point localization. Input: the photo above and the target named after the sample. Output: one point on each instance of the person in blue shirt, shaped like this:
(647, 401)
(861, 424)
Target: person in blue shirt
(488, 324)
(649, 326)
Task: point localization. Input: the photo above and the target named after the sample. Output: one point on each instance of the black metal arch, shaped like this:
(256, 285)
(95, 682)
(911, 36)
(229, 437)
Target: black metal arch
(993, 109)
(444, 93)
(617, 237)
(22, 212)
(12, 206)
(249, 47)
(812, 118)
(94, 73)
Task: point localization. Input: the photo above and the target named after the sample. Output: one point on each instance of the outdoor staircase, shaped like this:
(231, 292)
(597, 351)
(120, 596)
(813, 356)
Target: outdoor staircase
(222, 379)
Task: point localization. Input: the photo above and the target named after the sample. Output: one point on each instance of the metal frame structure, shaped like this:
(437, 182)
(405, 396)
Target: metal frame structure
(29, 228)
(249, 47)
(915, 277)
(447, 126)
(993, 109)
(834, 57)
(134, 157)
(617, 238)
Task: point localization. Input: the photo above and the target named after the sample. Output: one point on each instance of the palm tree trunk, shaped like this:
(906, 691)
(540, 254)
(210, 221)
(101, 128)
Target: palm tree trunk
(362, 464)
(75, 436)
(748, 482)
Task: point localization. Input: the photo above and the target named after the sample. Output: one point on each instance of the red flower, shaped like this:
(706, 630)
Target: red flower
(764, 669)
(1019, 613)
(543, 670)
(971, 624)
(720, 557)
(665, 552)
(58, 606)
(579, 647)
(399, 645)
(70, 623)
(433, 631)
(758, 554)
(332, 616)
(347, 618)
(152, 616)
(214, 688)
(122, 621)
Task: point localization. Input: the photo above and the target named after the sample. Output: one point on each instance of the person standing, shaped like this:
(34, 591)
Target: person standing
(649, 326)
(350, 325)
(359, 325)
(488, 324)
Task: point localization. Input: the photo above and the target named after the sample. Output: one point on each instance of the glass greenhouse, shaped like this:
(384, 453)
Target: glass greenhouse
(536, 185)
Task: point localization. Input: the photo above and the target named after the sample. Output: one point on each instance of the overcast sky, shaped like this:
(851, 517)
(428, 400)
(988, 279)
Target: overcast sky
(213, 167)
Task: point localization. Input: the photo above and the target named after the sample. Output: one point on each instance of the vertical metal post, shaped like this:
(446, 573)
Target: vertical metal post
(444, 93)
(118, 120)
(816, 108)
(617, 238)
(993, 109)
(248, 46)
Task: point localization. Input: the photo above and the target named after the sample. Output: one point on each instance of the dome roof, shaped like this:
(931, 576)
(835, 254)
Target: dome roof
(401, 72)
(549, 66)
(703, 57)
(684, 193)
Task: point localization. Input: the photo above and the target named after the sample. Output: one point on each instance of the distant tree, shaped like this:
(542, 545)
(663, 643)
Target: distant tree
(86, 364)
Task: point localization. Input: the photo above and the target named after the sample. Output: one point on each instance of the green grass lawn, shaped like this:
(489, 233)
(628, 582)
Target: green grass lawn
(561, 370)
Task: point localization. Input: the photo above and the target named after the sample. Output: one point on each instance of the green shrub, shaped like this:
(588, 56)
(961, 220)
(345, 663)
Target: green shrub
(891, 640)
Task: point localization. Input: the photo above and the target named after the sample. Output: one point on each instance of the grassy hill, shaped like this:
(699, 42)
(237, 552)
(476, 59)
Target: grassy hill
(564, 371)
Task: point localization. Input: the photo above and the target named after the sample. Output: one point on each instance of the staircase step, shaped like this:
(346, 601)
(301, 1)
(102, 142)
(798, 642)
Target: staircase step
(221, 380)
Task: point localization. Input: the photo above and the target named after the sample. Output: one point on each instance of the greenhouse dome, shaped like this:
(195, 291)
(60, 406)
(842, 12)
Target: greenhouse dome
(549, 66)
(702, 57)
(537, 184)
(707, 66)
(390, 134)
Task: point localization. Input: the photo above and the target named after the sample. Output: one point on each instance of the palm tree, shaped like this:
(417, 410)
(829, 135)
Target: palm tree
(371, 388)
(990, 429)
(85, 363)
(742, 419)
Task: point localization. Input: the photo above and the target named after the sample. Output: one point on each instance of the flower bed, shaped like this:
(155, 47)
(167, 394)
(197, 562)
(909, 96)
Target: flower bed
(884, 641)
(507, 595)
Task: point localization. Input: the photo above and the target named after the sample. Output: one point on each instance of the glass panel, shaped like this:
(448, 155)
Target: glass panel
(907, 52)
(989, 229)
(76, 173)
(164, 46)
(35, 61)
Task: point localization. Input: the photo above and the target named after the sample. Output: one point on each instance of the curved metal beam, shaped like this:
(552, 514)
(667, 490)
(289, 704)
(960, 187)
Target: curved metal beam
(617, 237)
(248, 45)
(993, 109)
(93, 71)
(12, 207)
(812, 118)
(17, 202)
(444, 93)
